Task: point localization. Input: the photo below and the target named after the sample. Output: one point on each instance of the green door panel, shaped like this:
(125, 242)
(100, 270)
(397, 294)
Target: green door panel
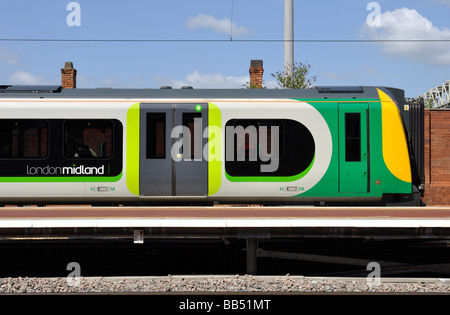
(353, 148)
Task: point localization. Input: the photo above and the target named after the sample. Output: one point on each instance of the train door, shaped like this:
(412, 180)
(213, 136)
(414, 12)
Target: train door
(171, 161)
(353, 148)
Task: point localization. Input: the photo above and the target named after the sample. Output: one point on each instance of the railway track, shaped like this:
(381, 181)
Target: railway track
(295, 250)
(222, 284)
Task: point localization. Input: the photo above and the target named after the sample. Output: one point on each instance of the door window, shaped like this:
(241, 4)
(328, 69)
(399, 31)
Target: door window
(352, 137)
(156, 135)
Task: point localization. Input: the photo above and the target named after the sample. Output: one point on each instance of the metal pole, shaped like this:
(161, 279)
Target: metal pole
(252, 246)
(289, 36)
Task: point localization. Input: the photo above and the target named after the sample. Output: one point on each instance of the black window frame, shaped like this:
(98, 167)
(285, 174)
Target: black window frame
(70, 141)
(26, 122)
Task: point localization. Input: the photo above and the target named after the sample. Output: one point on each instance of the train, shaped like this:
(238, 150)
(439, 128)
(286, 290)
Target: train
(330, 145)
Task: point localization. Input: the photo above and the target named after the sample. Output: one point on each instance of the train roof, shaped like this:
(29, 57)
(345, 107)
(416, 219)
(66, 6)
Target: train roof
(320, 92)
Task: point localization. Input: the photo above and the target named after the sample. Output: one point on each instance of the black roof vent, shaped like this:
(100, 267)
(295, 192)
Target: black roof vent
(30, 89)
(340, 89)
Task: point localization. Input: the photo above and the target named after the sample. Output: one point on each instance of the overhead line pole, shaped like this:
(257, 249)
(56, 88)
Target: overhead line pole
(289, 37)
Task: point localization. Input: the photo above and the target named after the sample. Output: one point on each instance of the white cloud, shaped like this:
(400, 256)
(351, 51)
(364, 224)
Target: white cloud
(23, 77)
(408, 24)
(84, 81)
(220, 26)
(8, 56)
(205, 81)
(271, 84)
(211, 81)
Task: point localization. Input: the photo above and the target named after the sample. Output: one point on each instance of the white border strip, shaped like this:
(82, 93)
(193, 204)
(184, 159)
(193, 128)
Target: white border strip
(223, 223)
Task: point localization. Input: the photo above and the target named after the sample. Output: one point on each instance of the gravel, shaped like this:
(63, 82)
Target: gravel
(210, 284)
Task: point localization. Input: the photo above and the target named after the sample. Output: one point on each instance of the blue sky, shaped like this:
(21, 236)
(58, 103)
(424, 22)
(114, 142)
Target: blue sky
(414, 66)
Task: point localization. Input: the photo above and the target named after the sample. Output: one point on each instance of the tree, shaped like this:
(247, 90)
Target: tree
(302, 78)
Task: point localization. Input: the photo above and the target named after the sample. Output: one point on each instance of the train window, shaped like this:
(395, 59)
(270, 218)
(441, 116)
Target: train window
(193, 148)
(23, 138)
(253, 140)
(352, 137)
(156, 136)
(269, 147)
(88, 138)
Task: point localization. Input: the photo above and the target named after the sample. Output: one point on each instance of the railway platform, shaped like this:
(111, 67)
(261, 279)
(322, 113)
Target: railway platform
(250, 223)
(223, 221)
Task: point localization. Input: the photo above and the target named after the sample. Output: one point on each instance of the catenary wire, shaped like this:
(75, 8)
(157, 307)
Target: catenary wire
(226, 40)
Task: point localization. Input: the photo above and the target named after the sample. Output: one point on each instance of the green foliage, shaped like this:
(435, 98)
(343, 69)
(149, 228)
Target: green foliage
(247, 85)
(301, 79)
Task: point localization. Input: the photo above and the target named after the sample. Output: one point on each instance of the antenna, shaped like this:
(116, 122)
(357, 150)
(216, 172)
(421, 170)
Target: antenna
(231, 20)
(289, 37)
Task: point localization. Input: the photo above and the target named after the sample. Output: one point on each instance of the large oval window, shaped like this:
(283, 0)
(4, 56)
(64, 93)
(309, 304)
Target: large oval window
(267, 148)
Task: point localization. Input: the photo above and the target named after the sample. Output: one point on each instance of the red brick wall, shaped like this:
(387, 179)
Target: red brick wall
(437, 157)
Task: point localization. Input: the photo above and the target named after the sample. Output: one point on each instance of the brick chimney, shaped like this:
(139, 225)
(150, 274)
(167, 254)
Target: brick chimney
(69, 76)
(256, 73)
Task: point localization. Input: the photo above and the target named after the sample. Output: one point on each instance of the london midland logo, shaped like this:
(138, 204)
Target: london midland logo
(65, 170)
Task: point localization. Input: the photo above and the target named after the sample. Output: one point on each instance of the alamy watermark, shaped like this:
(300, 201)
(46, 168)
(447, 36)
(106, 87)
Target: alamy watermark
(74, 17)
(256, 147)
(248, 143)
(73, 278)
(374, 277)
(374, 17)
